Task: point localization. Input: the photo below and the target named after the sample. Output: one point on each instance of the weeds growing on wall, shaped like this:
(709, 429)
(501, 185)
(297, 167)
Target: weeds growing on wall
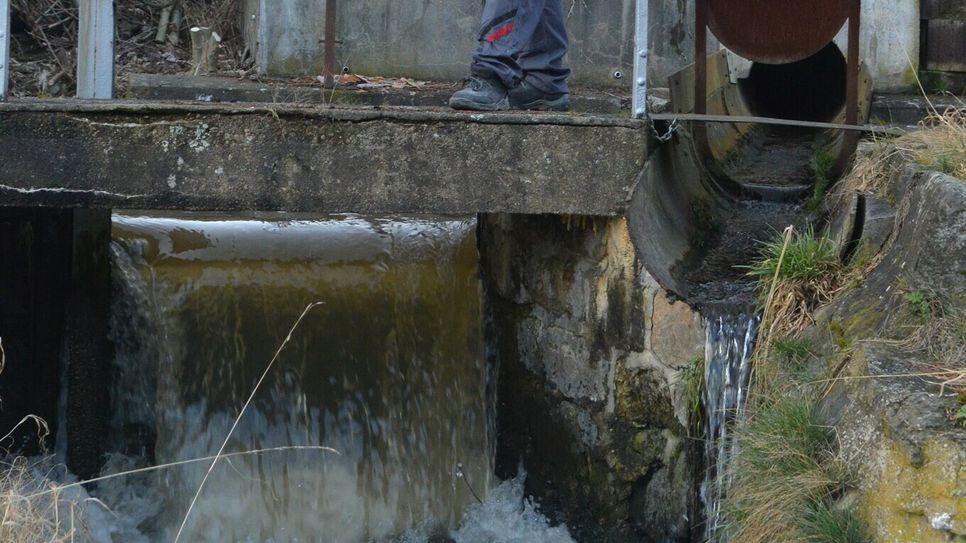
(694, 385)
(810, 274)
(787, 478)
(822, 165)
(786, 475)
(939, 145)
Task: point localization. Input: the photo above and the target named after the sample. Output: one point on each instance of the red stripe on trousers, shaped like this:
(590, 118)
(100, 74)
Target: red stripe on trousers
(500, 33)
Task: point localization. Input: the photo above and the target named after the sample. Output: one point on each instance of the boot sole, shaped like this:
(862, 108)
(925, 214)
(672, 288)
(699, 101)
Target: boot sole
(469, 105)
(560, 104)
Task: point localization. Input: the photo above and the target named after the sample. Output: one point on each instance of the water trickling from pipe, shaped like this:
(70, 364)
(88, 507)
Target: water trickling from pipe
(728, 349)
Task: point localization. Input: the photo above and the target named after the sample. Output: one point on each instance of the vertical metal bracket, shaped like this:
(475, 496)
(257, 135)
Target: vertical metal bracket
(331, 27)
(639, 96)
(4, 48)
(852, 63)
(95, 49)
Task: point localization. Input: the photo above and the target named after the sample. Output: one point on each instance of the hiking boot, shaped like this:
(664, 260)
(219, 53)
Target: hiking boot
(526, 96)
(481, 94)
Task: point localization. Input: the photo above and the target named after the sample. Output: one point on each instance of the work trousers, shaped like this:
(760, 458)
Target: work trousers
(523, 39)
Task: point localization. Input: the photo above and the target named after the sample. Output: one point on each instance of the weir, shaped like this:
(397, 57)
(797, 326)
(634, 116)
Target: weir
(389, 372)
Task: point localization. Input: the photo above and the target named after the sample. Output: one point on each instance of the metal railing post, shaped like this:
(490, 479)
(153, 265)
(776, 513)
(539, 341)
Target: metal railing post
(95, 49)
(4, 48)
(639, 98)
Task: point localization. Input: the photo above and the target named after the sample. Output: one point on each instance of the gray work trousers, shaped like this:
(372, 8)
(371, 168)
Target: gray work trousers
(523, 39)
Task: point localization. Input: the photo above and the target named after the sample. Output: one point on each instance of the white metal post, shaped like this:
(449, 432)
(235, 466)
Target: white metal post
(4, 48)
(639, 98)
(95, 49)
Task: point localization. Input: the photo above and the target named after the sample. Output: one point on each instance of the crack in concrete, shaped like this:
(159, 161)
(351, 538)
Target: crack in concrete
(92, 192)
(125, 125)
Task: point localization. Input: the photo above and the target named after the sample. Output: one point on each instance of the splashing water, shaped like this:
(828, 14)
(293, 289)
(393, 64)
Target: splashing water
(391, 374)
(507, 516)
(728, 349)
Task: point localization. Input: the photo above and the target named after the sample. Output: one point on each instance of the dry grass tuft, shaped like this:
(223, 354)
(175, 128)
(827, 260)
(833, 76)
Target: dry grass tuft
(942, 341)
(787, 475)
(941, 144)
(795, 278)
(50, 518)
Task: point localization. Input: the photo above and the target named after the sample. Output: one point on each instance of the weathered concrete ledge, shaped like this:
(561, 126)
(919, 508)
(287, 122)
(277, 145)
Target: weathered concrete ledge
(150, 155)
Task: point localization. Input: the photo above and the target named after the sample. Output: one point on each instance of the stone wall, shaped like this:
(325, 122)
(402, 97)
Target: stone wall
(895, 427)
(590, 354)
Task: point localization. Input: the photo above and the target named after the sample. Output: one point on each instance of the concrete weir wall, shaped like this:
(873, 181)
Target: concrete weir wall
(590, 352)
(434, 39)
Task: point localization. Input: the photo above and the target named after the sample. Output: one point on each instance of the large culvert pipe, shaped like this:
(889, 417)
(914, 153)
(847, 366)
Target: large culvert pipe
(790, 44)
(797, 73)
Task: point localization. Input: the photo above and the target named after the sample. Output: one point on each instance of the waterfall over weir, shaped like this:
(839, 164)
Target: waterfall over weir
(730, 344)
(390, 372)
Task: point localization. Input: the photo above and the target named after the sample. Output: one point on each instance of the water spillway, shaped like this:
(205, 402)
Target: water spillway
(390, 372)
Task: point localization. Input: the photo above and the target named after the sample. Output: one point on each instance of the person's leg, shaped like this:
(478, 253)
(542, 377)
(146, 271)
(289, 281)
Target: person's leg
(542, 60)
(507, 29)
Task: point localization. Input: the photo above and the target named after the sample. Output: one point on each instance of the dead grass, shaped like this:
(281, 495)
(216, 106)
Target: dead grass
(941, 144)
(51, 518)
(797, 272)
(941, 342)
(786, 472)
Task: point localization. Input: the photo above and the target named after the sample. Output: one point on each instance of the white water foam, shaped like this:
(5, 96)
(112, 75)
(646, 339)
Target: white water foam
(507, 516)
(114, 512)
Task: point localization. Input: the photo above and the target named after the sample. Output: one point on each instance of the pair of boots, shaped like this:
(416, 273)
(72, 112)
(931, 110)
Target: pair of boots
(490, 94)
(519, 61)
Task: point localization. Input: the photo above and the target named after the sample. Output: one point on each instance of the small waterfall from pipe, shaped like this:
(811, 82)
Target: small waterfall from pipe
(728, 349)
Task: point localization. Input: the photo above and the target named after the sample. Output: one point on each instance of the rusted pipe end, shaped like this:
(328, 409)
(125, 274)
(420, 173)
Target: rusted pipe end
(776, 32)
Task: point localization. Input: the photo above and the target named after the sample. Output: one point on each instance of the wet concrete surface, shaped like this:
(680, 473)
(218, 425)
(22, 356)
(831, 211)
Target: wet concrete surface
(775, 163)
(721, 278)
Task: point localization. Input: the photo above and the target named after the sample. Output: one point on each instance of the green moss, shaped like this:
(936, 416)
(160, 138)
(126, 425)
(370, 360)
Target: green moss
(838, 335)
(693, 377)
(861, 323)
(705, 225)
(822, 165)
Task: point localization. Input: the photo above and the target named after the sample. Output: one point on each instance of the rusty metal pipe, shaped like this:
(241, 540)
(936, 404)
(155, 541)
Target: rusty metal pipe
(775, 32)
(331, 18)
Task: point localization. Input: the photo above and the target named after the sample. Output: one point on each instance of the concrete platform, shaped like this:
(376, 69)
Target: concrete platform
(190, 156)
(304, 90)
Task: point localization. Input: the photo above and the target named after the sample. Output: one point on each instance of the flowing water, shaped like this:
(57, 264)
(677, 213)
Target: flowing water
(728, 349)
(389, 372)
